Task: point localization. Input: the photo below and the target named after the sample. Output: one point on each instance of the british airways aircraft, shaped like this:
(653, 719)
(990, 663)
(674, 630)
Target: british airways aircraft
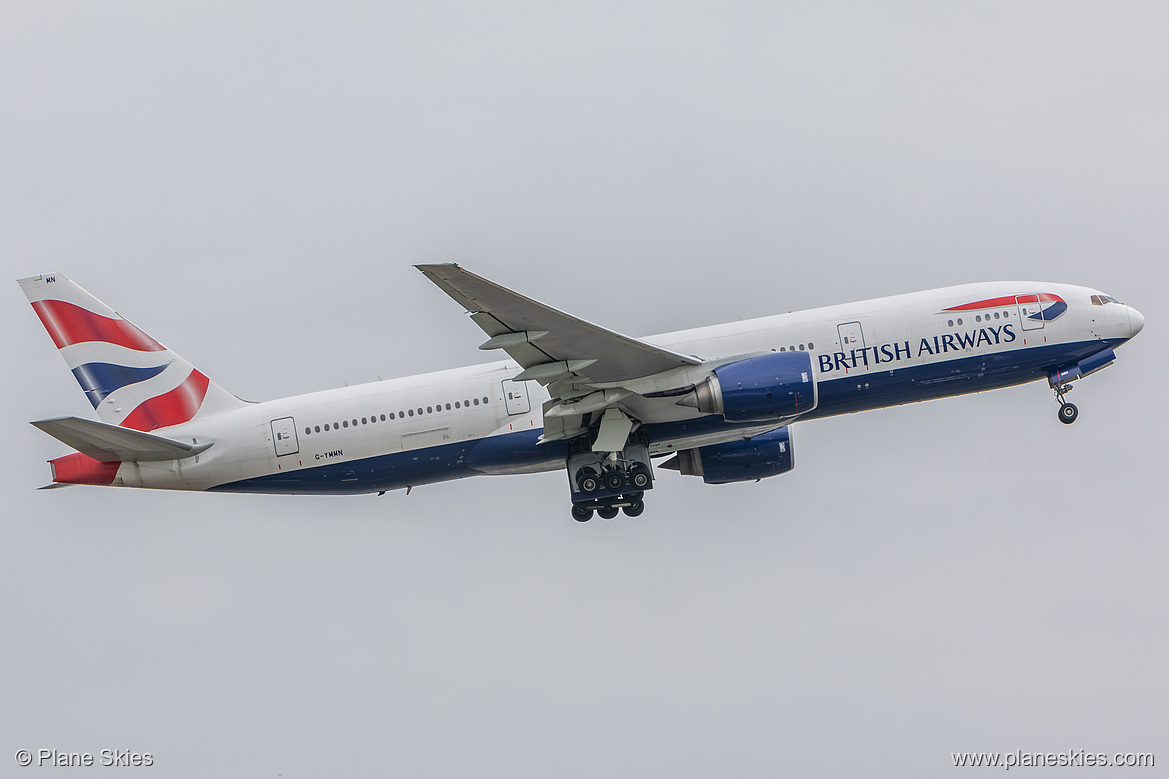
(719, 401)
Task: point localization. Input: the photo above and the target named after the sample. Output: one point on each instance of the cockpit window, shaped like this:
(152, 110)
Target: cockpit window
(1100, 300)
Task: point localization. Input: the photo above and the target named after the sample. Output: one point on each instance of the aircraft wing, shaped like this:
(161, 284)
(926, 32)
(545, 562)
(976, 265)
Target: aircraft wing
(547, 343)
(110, 443)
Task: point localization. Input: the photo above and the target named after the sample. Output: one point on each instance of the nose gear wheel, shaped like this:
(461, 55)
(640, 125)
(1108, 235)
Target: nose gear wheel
(1067, 411)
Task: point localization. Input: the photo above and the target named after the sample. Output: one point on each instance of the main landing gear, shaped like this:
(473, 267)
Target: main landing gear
(609, 483)
(614, 477)
(608, 508)
(1067, 411)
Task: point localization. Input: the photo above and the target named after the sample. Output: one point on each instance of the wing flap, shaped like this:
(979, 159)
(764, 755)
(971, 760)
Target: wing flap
(110, 443)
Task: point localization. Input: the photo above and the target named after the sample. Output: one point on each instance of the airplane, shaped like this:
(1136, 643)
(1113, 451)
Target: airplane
(719, 401)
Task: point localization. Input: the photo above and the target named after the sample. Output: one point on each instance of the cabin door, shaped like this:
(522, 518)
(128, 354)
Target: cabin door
(284, 436)
(851, 336)
(515, 397)
(1030, 312)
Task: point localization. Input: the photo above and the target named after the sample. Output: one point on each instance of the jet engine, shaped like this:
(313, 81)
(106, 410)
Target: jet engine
(771, 386)
(750, 459)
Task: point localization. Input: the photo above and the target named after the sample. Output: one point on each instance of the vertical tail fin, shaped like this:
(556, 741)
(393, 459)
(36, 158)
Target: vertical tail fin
(130, 379)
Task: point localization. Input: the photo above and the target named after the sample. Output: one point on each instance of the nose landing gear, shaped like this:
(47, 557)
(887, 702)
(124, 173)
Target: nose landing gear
(1067, 411)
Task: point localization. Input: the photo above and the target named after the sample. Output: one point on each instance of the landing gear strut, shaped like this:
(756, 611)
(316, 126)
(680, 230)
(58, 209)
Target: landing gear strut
(1067, 411)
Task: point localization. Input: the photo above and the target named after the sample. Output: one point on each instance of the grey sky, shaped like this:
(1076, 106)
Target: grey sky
(250, 185)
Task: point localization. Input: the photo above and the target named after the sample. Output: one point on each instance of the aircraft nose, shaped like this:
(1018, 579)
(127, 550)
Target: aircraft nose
(1136, 322)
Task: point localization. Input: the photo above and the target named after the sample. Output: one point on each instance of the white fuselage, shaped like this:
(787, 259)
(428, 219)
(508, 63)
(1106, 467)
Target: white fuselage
(437, 426)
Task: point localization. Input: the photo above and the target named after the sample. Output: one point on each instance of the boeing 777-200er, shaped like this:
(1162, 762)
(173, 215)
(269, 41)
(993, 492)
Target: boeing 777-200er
(720, 401)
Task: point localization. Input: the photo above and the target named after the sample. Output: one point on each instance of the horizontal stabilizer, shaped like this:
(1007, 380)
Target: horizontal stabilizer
(110, 443)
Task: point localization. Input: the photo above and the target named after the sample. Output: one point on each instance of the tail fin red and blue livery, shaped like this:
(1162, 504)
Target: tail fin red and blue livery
(131, 379)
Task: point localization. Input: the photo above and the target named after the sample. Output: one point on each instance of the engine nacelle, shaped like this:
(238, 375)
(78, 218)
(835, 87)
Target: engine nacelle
(771, 386)
(764, 455)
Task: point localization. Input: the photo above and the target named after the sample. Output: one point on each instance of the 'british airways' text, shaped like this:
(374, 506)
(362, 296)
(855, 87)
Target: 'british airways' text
(903, 350)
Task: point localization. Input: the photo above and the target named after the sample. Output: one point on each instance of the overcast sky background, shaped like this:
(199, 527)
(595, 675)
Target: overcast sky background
(250, 184)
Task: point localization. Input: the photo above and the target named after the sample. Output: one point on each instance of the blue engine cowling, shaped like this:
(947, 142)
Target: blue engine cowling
(758, 389)
(751, 459)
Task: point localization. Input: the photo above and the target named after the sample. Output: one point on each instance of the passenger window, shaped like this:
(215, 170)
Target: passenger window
(318, 428)
(448, 406)
(476, 401)
(411, 412)
(384, 417)
(346, 423)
